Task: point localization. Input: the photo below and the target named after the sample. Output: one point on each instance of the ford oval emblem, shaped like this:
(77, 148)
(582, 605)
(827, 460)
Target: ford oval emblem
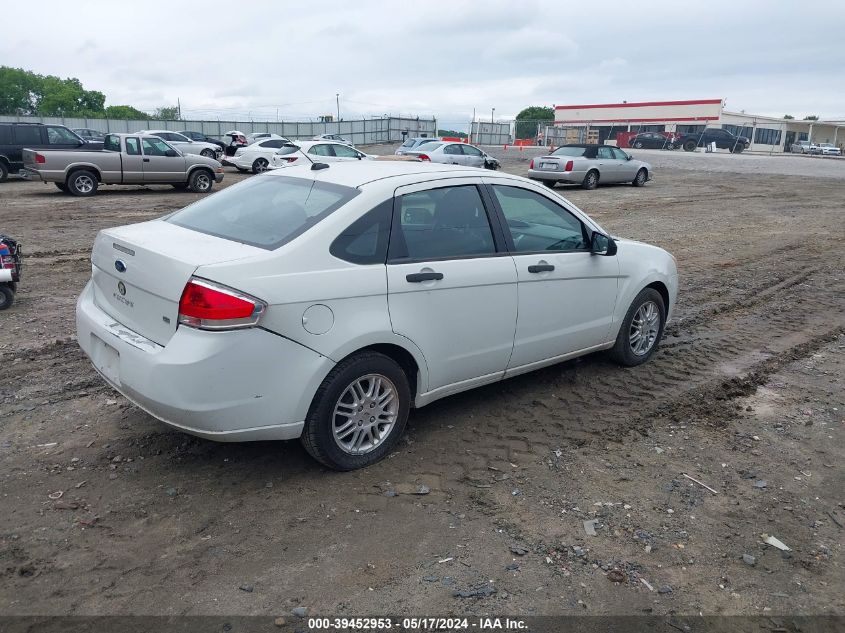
(120, 266)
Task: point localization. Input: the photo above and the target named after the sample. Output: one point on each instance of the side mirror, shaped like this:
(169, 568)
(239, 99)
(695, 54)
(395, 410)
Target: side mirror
(629, 157)
(172, 153)
(602, 245)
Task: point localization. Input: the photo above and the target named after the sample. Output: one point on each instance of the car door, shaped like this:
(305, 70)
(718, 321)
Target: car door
(626, 169)
(158, 166)
(452, 154)
(473, 157)
(608, 164)
(25, 137)
(133, 160)
(566, 294)
(451, 285)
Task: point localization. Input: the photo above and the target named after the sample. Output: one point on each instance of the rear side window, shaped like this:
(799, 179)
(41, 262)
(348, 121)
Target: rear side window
(28, 134)
(5, 134)
(112, 143)
(365, 241)
(444, 223)
(266, 212)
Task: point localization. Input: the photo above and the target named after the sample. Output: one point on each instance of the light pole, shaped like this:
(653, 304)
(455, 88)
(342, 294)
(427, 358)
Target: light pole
(337, 98)
(492, 112)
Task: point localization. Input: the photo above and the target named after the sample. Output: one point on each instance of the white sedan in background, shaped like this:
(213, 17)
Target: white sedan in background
(322, 151)
(256, 157)
(186, 145)
(454, 154)
(324, 304)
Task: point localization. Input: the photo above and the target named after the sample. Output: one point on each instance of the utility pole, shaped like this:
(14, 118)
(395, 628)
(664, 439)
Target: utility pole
(179, 108)
(492, 112)
(337, 98)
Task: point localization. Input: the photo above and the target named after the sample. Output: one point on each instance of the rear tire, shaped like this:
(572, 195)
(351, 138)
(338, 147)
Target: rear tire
(324, 430)
(629, 350)
(690, 146)
(259, 166)
(738, 149)
(641, 178)
(201, 181)
(82, 183)
(591, 180)
(7, 297)
(4, 172)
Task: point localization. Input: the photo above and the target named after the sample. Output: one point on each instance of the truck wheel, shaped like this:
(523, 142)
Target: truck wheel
(82, 183)
(200, 181)
(260, 165)
(591, 180)
(6, 297)
(61, 186)
(4, 172)
(207, 153)
(690, 146)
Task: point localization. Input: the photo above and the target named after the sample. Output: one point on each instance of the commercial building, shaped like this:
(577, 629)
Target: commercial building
(767, 134)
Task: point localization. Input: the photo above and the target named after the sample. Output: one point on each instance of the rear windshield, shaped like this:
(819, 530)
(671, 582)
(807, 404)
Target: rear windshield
(570, 151)
(266, 211)
(409, 143)
(429, 145)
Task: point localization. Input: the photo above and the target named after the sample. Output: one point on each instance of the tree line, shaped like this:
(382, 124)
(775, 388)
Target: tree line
(25, 93)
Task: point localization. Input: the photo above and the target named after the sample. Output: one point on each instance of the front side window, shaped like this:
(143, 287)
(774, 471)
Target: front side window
(61, 136)
(537, 224)
(452, 150)
(154, 147)
(444, 223)
(264, 212)
(604, 152)
(344, 151)
(365, 241)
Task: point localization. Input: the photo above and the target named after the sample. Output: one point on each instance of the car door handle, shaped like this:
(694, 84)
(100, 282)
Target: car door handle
(540, 268)
(146, 160)
(416, 278)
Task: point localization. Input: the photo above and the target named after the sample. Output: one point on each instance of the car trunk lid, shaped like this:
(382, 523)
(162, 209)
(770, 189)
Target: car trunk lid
(139, 272)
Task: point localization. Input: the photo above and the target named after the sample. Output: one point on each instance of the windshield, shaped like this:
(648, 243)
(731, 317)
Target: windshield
(287, 149)
(569, 151)
(266, 212)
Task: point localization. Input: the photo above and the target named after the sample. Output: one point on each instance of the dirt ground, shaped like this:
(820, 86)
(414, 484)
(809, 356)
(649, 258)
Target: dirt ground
(745, 395)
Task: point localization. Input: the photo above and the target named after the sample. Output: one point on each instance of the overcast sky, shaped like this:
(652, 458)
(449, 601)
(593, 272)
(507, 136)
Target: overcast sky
(239, 59)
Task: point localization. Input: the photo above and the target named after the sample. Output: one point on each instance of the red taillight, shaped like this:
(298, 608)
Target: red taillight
(424, 157)
(287, 159)
(569, 165)
(209, 306)
(531, 164)
(40, 159)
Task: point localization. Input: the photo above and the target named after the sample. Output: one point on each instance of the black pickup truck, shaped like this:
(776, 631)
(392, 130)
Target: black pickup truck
(722, 138)
(14, 137)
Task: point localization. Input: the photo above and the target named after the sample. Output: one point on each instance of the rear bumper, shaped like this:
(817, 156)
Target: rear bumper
(31, 174)
(574, 177)
(227, 386)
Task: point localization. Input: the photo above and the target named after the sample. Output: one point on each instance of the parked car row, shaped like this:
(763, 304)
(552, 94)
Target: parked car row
(691, 141)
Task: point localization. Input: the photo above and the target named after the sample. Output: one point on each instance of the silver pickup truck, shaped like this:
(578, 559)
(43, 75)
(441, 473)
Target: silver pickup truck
(126, 159)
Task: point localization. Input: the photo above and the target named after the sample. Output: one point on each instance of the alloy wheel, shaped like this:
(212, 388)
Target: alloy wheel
(365, 414)
(644, 328)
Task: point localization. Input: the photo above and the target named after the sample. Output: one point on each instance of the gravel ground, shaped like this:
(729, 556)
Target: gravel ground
(745, 395)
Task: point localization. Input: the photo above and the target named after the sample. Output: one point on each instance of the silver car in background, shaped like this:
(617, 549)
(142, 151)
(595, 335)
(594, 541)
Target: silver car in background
(589, 165)
(413, 144)
(454, 154)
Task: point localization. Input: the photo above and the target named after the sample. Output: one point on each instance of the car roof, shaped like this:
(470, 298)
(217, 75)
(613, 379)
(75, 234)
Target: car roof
(318, 141)
(360, 173)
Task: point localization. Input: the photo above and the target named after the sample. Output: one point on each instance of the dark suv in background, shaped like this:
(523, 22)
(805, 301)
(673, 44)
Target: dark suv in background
(14, 137)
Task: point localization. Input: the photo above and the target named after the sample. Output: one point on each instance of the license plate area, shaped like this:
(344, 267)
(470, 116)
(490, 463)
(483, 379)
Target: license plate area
(550, 166)
(106, 359)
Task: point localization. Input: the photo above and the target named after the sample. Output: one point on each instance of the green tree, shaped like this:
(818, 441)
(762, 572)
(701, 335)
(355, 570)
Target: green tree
(125, 112)
(526, 120)
(19, 91)
(788, 116)
(452, 133)
(812, 117)
(67, 97)
(167, 113)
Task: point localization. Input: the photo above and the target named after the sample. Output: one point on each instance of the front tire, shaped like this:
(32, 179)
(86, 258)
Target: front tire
(638, 145)
(200, 181)
(7, 297)
(358, 413)
(641, 330)
(641, 178)
(259, 166)
(82, 183)
(690, 146)
(4, 172)
(591, 180)
(207, 153)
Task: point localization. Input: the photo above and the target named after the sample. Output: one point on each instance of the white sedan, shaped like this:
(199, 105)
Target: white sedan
(453, 154)
(257, 156)
(186, 145)
(321, 151)
(323, 303)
